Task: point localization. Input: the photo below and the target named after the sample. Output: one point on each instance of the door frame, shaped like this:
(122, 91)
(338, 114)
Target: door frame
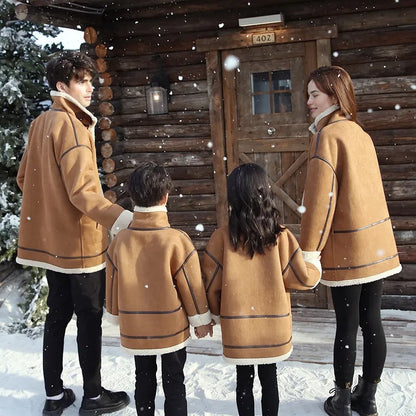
(213, 48)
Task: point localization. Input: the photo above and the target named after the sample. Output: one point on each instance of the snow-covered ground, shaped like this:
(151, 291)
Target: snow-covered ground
(210, 382)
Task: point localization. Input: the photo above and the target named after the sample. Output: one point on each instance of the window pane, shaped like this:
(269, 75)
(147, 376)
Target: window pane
(261, 104)
(282, 102)
(281, 80)
(260, 82)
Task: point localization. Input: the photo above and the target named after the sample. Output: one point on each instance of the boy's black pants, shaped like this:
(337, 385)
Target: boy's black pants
(84, 295)
(172, 380)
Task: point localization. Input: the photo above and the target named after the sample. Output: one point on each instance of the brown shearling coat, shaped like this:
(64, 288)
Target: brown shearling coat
(63, 208)
(250, 296)
(346, 216)
(154, 285)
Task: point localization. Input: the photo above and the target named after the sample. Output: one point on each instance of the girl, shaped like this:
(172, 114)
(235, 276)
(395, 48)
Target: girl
(249, 267)
(347, 222)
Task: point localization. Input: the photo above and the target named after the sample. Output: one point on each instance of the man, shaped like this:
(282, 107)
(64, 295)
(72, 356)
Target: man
(63, 229)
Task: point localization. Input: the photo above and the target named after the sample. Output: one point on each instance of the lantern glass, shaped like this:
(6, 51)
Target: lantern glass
(157, 100)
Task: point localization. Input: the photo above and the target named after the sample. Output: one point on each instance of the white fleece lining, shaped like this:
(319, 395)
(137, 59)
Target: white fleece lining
(217, 319)
(362, 280)
(48, 266)
(313, 127)
(198, 320)
(256, 361)
(155, 208)
(157, 351)
(78, 104)
(122, 222)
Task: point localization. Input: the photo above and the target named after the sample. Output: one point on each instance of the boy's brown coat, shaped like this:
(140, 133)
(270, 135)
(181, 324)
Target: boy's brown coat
(346, 214)
(154, 285)
(63, 205)
(251, 297)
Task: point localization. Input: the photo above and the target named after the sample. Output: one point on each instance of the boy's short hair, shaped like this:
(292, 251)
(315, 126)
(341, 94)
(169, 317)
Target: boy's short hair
(69, 65)
(148, 184)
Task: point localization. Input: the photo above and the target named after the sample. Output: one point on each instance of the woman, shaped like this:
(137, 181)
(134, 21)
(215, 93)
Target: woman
(347, 222)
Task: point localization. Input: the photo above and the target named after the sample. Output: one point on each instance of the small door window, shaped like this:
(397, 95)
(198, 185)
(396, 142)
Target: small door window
(271, 92)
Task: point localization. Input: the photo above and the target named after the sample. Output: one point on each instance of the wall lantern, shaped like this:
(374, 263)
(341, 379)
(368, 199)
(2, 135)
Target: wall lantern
(158, 94)
(261, 20)
(157, 100)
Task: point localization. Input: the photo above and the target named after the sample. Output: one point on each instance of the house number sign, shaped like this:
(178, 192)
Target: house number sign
(267, 37)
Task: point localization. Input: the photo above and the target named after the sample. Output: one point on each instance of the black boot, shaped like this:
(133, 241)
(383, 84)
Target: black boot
(340, 403)
(363, 398)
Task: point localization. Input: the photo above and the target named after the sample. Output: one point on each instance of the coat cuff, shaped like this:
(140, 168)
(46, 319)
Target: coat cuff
(217, 319)
(122, 222)
(313, 257)
(198, 320)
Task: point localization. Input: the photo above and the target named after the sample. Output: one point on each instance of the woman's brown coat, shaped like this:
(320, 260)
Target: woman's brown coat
(346, 215)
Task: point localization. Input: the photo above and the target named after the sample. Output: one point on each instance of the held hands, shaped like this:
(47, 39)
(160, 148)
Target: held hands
(203, 330)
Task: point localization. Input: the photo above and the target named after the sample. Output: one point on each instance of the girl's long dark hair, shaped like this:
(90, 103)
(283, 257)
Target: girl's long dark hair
(253, 213)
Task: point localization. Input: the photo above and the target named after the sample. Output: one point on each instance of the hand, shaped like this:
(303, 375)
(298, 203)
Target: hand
(203, 330)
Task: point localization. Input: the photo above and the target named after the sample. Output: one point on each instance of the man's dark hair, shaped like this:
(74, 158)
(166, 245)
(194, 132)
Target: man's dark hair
(148, 184)
(69, 65)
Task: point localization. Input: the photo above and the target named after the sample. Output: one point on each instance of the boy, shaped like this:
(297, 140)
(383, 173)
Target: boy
(63, 229)
(154, 285)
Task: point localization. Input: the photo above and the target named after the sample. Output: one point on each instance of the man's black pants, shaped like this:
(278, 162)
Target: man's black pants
(84, 295)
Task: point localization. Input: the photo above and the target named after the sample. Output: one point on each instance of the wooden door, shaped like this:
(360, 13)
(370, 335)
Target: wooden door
(266, 122)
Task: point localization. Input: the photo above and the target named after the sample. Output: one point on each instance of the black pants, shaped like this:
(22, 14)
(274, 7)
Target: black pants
(173, 381)
(358, 305)
(269, 389)
(84, 295)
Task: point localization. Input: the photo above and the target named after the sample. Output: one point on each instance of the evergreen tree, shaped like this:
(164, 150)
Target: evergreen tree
(23, 96)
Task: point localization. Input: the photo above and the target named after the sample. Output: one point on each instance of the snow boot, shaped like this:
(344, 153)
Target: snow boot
(340, 403)
(363, 398)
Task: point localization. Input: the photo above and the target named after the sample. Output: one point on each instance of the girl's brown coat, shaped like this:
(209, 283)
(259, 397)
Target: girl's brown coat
(250, 296)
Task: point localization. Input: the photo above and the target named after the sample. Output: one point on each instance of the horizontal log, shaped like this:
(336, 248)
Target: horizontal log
(104, 123)
(398, 288)
(130, 160)
(384, 119)
(108, 165)
(146, 62)
(375, 53)
(405, 208)
(193, 102)
(398, 172)
(400, 190)
(177, 88)
(392, 101)
(398, 302)
(200, 230)
(380, 36)
(173, 117)
(387, 85)
(164, 133)
(404, 223)
(403, 154)
(407, 274)
(90, 35)
(407, 253)
(161, 144)
(192, 218)
(192, 187)
(101, 65)
(189, 203)
(405, 237)
(381, 68)
(282, 35)
(393, 136)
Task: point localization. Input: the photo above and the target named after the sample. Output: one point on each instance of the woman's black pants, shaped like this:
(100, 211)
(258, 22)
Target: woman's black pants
(358, 305)
(269, 389)
(173, 382)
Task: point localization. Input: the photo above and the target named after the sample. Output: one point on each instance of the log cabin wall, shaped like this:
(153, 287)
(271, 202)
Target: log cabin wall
(375, 44)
